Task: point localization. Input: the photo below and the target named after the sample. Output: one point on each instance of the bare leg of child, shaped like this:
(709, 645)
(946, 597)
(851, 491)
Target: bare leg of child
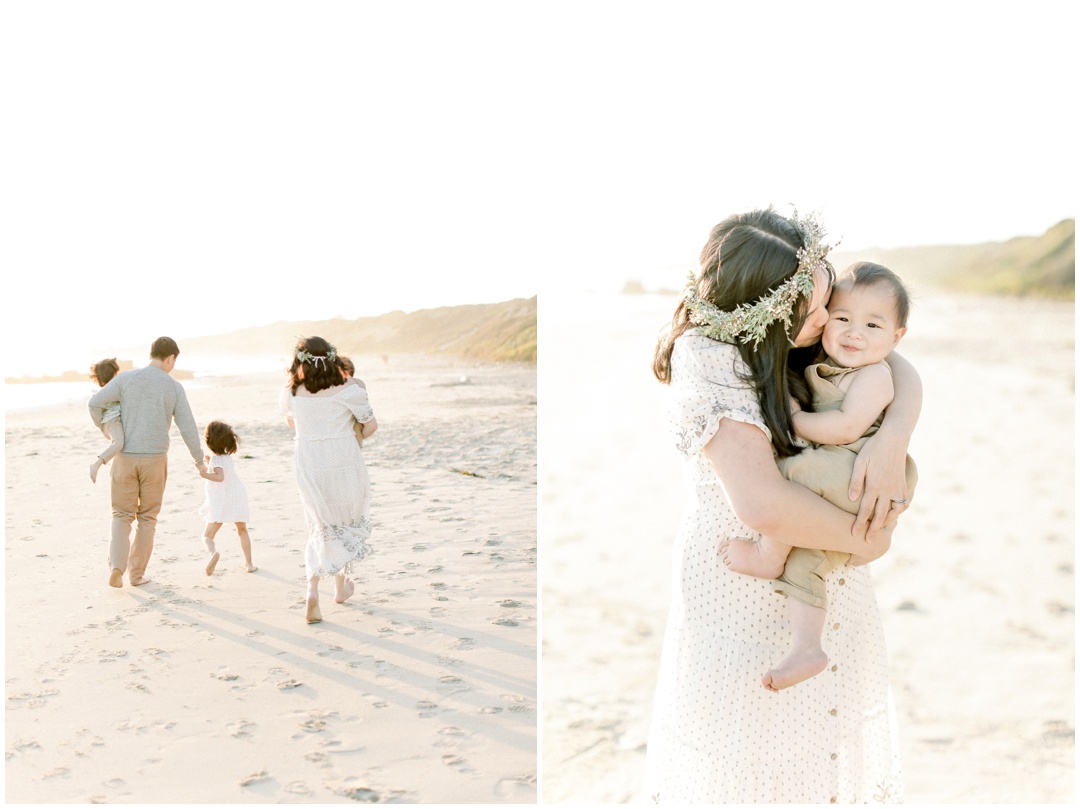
(343, 587)
(764, 559)
(94, 467)
(806, 657)
(314, 614)
(208, 541)
(245, 546)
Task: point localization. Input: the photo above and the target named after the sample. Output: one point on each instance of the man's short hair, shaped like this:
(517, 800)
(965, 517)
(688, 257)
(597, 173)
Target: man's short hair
(163, 348)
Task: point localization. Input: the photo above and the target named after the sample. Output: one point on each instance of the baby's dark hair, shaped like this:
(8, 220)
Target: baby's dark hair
(220, 438)
(102, 372)
(867, 273)
(346, 365)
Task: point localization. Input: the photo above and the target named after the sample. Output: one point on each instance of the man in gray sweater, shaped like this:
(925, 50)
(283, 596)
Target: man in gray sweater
(149, 401)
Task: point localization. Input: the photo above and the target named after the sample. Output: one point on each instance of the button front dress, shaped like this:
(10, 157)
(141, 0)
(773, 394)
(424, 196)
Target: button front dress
(335, 489)
(718, 736)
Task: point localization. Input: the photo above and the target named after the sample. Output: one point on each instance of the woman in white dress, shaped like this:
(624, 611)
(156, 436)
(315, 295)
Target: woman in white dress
(733, 358)
(322, 406)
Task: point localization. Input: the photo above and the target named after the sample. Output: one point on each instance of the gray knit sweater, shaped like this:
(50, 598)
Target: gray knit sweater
(149, 401)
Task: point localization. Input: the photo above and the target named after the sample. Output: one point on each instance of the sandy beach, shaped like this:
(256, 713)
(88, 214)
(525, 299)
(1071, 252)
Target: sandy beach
(198, 689)
(976, 595)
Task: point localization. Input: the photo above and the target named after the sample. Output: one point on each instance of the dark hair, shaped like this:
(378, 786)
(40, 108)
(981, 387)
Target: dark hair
(747, 256)
(317, 375)
(220, 438)
(102, 372)
(867, 273)
(163, 348)
(346, 365)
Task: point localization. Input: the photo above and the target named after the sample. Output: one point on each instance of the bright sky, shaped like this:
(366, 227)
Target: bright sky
(190, 168)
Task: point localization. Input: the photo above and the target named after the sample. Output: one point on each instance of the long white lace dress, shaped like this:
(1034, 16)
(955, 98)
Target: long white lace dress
(335, 489)
(718, 736)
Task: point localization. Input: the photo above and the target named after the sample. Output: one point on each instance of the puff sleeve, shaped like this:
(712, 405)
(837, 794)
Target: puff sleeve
(707, 385)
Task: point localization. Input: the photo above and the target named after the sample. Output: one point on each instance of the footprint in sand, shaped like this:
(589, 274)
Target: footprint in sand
(464, 644)
(491, 710)
(261, 775)
(505, 622)
(239, 728)
(426, 708)
(521, 789)
(452, 685)
(297, 788)
(285, 685)
(457, 762)
(313, 725)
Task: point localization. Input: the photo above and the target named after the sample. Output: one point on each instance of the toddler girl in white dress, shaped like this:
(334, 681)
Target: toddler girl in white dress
(226, 497)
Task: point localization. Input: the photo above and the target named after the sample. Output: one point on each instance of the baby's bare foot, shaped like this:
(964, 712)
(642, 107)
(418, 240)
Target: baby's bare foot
(764, 558)
(94, 467)
(801, 664)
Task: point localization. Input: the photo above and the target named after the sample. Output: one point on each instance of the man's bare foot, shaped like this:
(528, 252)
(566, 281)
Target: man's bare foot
(314, 614)
(139, 581)
(250, 568)
(116, 578)
(346, 590)
(212, 563)
(764, 558)
(94, 467)
(801, 664)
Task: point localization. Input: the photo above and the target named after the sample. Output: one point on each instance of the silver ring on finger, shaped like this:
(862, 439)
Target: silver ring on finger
(900, 502)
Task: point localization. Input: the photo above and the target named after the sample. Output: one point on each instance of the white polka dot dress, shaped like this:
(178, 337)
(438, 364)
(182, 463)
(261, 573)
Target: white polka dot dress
(718, 736)
(227, 500)
(335, 489)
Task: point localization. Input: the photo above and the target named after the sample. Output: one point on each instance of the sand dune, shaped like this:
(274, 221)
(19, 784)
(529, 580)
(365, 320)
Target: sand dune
(977, 594)
(213, 689)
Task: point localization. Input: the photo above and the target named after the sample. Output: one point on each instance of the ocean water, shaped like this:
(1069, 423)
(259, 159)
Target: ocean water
(20, 397)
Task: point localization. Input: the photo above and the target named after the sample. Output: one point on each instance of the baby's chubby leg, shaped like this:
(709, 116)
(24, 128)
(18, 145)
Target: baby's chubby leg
(764, 559)
(806, 658)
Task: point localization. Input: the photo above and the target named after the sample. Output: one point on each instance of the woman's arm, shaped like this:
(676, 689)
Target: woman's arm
(766, 502)
(879, 471)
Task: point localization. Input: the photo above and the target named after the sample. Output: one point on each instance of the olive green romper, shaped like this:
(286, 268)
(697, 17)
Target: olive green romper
(825, 470)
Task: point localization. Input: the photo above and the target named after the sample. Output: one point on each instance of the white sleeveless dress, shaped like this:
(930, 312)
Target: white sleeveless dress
(718, 736)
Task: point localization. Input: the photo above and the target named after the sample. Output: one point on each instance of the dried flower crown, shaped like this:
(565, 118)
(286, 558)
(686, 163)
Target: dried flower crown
(305, 356)
(748, 322)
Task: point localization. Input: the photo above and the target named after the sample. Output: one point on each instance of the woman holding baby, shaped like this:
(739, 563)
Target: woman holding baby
(735, 720)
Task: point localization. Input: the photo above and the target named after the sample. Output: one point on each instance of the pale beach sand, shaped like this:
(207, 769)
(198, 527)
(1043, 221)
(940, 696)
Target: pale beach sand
(976, 595)
(213, 689)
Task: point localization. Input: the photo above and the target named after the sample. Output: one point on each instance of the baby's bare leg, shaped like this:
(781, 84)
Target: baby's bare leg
(806, 657)
(764, 558)
(245, 546)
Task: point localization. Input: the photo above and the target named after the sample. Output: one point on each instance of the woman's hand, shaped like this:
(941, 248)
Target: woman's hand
(879, 478)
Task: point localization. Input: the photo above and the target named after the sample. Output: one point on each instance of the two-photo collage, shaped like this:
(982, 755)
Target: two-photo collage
(467, 403)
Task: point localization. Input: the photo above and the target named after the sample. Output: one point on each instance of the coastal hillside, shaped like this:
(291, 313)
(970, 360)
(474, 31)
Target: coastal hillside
(495, 332)
(1037, 266)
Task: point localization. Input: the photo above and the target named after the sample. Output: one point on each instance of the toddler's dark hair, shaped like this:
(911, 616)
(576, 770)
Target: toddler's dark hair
(220, 438)
(102, 372)
(867, 273)
(346, 365)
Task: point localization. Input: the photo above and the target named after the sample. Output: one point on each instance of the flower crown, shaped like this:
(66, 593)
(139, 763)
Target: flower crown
(748, 322)
(306, 356)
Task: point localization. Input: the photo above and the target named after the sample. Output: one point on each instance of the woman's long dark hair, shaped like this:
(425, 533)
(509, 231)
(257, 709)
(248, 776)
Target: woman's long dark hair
(317, 375)
(747, 256)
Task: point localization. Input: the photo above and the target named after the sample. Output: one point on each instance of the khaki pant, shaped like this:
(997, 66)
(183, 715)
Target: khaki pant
(138, 485)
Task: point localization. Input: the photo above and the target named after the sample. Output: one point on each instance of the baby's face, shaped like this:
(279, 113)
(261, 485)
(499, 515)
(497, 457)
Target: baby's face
(862, 326)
